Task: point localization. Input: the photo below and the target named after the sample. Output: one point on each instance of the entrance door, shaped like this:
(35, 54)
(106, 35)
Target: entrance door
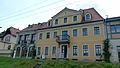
(64, 51)
(119, 53)
(64, 35)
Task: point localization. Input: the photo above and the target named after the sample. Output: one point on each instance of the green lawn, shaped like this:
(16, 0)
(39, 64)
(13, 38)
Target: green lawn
(6, 62)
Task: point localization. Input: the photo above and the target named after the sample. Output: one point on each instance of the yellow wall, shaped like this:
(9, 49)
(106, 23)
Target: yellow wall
(70, 15)
(83, 40)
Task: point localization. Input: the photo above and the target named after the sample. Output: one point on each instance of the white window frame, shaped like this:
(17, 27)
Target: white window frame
(87, 49)
(77, 32)
(82, 30)
(77, 50)
(99, 29)
(39, 36)
(46, 35)
(73, 18)
(48, 50)
(52, 50)
(55, 20)
(67, 19)
(40, 50)
(95, 49)
(53, 33)
(86, 17)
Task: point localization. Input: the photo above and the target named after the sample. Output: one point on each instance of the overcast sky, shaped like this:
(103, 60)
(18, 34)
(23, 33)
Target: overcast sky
(21, 13)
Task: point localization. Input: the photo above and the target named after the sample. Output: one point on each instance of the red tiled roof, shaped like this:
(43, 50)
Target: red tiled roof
(14, 31)
(35, 27)
(94, 15)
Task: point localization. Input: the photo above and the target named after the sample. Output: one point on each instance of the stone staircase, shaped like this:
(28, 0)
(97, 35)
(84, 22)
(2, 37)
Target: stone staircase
(4, 52)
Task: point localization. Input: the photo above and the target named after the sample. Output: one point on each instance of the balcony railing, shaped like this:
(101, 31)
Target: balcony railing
(63, 38)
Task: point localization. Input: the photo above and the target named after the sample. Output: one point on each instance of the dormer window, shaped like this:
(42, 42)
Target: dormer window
(49, 23)
(88, 16)
(56, 21)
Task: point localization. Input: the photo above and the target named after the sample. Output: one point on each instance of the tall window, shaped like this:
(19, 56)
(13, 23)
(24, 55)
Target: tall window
(40, 36)
(75, 32)
(54, 51)
(85, 31)
(39, 51)
(88, 16)
(75, 50)
(115, 28)
(47, 35)
(46, 50)
(96, 30)
(65, 20)
(85, 50)
(49, 23)
(98, 50)
(74, 18)
(54, 34)
(56, 21)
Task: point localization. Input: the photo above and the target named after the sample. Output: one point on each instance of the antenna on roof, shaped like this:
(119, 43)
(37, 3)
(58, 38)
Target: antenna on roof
(106, 16)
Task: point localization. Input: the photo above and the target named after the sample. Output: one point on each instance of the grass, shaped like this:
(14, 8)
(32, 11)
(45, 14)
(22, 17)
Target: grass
(6, 62)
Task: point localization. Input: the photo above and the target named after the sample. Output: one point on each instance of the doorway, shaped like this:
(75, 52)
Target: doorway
(64, 51)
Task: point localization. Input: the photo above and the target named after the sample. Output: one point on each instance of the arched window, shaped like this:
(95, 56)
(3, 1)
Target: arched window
(88, 16)
(7, 39)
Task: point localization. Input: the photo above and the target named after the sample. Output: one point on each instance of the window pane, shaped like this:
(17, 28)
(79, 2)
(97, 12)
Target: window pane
(85, 31)
(54, 51)
(118, 28)
(56, 21)
(55, 35)
(85, 50)
(74, 32)
(75, 51)
(96, 30)
(65, 20)
(113, 28)
(98, 50)
(39, 50)
(49, 23)
(75, 18)
(46, 50)
(40, 36)
(88, 17)
(48, 35)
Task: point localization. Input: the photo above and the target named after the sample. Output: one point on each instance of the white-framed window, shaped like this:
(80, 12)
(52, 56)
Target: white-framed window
(75, 32)
(84, 31)
(49, 23)
(85, 50)
(65, 20)
(54, 49)
(96, 30)
(56, 21)
(39, 51)
(55, 34)
(74, 18)
(47, 35)
(75, 50)
(98, 50)
(40, 36)
(7, 39)
(115, 28)
(88, 16)
(46, 50)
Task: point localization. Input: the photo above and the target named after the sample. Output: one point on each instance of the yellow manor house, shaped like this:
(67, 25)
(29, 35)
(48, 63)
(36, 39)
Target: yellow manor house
(72, 34)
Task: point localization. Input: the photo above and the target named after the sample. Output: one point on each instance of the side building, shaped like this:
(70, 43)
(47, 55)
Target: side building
(112, 26)
(7, 41)
(73, 34)
(26, 40)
